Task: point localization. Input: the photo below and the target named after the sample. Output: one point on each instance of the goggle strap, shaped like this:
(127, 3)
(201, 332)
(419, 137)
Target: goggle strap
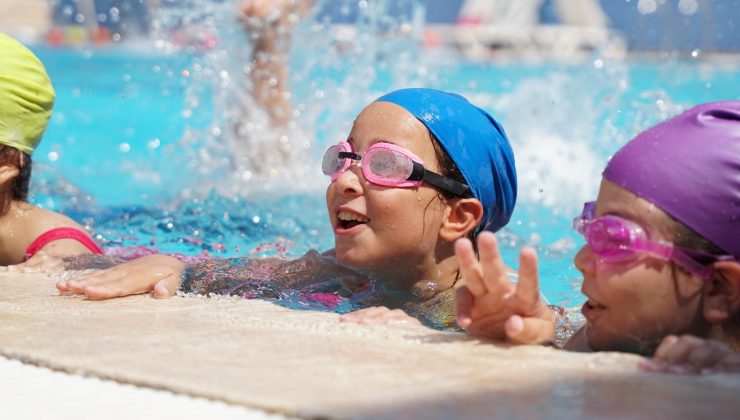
(349, 155)
(444, 183)
(417, 173)
(692, 265)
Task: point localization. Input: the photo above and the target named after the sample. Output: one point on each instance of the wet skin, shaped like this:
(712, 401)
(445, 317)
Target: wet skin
(632, 305)
(395, 232)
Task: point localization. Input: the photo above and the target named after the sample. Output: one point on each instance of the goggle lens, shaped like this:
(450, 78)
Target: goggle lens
(388, 165)
(332, 163)
(612, 239)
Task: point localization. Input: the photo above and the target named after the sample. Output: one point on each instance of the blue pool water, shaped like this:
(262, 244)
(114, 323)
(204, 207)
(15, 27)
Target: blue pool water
(125, 149)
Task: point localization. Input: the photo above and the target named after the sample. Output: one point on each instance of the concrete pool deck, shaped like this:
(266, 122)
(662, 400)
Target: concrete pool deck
(260, 356)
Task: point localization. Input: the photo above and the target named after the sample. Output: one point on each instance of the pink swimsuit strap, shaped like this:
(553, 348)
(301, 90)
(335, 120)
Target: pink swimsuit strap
(61, 233)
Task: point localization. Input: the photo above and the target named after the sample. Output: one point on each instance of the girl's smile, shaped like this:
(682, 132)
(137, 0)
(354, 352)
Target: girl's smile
(375, 226)
(630, 302)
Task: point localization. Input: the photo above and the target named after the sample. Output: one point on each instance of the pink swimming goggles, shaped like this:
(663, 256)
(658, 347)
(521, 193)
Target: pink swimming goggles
(614, 239)
(388, 165)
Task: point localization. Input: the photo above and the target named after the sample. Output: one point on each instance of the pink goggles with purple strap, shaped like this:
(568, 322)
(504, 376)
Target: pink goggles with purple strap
(614, 239)
(388, 165)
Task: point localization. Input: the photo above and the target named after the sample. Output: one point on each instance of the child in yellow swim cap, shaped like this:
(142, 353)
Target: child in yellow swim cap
(26, 102)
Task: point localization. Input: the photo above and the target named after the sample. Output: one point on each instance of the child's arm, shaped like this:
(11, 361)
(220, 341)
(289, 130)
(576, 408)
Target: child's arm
(689, 354)
(491, 305)
(164, 276)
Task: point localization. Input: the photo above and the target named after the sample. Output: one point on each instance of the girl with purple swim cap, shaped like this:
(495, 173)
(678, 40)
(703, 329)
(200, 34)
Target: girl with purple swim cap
(662, 255)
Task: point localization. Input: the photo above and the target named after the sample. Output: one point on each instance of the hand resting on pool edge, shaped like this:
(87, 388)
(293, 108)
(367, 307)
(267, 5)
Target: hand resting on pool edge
(158, 274)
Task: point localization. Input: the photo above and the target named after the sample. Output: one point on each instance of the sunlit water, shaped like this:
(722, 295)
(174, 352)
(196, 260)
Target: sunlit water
(138, 146)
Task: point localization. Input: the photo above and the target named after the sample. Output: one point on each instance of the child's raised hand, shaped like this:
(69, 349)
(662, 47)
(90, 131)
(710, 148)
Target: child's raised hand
(490, 305)
(689, 354)
(379, 315)
(159, 274)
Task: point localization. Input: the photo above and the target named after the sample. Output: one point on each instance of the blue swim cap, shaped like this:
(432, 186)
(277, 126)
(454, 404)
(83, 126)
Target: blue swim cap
(475, 141)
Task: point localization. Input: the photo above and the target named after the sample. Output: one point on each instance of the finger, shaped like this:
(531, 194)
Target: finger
(470, 268)
(708, 354)
(528, 286)
(114, 282)
(665, 344)
(355, 316)
(495, 278)
(122, 286)
(653, 365)
(14, 268)
(398, 316)
(463, 306)
(97, 278)
(31, 268)
(529, 330)
(384, 316)
(62, 286)
(679, 352)
(729, 363)
(683, 368)
(166, 288)
(374, 315)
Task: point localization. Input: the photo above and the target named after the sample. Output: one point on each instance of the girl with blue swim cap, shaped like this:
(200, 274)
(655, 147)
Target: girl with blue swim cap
(26, 101)
(661, 260)
(419, 169)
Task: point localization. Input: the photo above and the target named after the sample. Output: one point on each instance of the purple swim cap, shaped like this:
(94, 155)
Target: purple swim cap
(689, 166)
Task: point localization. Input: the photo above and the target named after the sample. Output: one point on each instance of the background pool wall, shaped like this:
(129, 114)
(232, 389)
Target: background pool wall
(646, 25)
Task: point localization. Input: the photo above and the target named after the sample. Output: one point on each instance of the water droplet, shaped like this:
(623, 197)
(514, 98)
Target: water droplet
(153, 144)
(124, 147)
(647, 7)
(53, 156)
(255, 219)
(688, 7)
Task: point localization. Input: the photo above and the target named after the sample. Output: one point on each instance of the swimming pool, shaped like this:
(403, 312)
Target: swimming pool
(134, 147)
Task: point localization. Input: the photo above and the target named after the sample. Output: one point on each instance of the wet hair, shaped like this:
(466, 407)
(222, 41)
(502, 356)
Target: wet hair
(686, 237)
(19, 189)
(449, 169)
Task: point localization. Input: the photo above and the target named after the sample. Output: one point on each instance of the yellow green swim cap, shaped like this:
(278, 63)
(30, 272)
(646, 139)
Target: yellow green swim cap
(26, 96)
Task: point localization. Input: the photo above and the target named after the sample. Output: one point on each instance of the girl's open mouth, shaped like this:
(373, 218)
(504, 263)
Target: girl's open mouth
(348, 220)
(591, 308)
